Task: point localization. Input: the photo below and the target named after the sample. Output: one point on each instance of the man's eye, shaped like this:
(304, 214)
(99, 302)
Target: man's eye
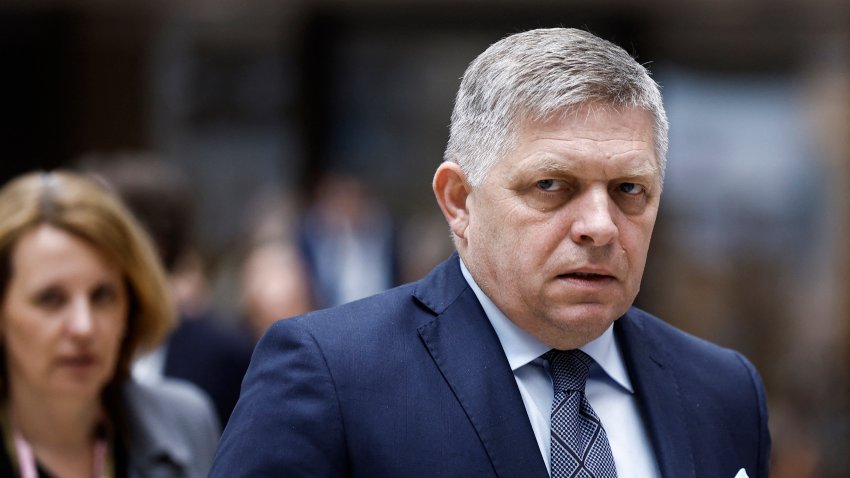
(631, 188)
(549, 185)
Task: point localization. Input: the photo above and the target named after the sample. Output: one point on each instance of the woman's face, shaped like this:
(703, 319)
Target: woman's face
(63, 317)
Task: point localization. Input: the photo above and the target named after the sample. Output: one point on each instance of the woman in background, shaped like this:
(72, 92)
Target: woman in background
(82, 294)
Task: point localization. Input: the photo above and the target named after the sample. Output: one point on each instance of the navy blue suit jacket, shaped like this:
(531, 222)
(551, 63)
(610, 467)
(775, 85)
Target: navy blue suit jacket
(414, 382)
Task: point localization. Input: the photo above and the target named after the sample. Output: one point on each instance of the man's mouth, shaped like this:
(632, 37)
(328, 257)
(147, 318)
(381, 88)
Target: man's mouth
(587, 276)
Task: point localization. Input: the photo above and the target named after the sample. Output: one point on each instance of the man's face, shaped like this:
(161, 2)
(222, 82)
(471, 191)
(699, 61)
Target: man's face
(558, 233)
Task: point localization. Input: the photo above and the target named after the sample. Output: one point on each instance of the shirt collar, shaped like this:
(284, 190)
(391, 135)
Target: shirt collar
(521, 348)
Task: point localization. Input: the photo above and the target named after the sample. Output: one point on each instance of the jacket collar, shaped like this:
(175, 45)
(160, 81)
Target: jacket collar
(467, 351)
(657, 390)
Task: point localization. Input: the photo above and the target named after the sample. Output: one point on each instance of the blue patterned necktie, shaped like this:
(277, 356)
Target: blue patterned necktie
(579, 444)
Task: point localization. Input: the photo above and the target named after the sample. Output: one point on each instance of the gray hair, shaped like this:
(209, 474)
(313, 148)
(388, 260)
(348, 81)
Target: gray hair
(535, 75)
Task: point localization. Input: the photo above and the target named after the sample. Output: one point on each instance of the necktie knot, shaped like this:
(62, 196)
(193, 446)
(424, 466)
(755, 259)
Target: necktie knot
(569, 369)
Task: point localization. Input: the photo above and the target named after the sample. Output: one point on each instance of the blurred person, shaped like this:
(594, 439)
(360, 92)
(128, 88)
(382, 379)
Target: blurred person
(348, 240)
(424, 244)
(275, 285)
(522, 354)
(83, 294)
(203, 348)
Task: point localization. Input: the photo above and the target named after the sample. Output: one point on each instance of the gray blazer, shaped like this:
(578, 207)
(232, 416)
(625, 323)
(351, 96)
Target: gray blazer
(173, 430)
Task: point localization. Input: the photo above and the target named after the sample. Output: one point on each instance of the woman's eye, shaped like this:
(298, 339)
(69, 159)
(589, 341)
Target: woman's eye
(50, 298)
(631, 188)
(104, 294)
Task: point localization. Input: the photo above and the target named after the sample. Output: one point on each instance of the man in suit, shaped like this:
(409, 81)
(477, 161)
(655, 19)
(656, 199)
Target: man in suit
(550, 186)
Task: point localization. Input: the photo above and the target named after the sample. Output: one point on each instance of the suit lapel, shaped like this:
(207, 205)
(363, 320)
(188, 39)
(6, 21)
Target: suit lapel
(467, 351)
(657, 391)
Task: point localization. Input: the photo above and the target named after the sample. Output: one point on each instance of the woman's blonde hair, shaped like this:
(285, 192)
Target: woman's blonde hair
(88, 210)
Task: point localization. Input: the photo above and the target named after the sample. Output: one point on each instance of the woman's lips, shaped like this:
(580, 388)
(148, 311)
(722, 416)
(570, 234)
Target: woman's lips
(78, 361)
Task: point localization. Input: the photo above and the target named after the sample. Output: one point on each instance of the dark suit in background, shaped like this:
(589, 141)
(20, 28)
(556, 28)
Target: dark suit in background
(212, 356)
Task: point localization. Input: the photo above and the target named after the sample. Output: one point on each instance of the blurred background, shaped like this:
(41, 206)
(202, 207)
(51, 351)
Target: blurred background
(314, 127)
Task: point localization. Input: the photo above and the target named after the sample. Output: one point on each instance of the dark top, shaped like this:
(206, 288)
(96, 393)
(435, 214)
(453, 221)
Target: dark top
(116, 447)
(214, 357)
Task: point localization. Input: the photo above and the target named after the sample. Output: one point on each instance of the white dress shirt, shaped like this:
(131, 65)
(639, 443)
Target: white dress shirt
(609, 390)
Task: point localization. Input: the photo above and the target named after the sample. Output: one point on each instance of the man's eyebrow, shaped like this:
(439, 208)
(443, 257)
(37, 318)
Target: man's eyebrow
(547, 164)
(641, 171)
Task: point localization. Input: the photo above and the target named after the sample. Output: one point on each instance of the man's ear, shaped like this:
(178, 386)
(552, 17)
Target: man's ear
(452, 191)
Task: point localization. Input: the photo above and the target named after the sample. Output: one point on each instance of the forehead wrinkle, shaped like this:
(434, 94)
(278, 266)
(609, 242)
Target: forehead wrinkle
(590, 139)
(550, 164)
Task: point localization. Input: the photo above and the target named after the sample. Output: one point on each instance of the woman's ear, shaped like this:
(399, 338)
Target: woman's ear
(452, 190)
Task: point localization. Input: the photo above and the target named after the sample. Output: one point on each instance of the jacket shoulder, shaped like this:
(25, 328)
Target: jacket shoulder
(172, 424)
(671, 339)
(718, 391)
(706, 373)
(168, 398)
(414, 303)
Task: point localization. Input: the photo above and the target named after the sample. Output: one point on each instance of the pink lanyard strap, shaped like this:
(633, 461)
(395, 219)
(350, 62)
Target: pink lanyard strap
(99, 469)
(26, 459)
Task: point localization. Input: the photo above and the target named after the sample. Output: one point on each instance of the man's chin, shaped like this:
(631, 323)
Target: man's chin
(589, 313)
(575, 328)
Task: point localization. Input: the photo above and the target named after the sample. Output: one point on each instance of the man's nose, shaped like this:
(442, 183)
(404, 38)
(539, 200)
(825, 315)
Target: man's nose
(594, 222)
